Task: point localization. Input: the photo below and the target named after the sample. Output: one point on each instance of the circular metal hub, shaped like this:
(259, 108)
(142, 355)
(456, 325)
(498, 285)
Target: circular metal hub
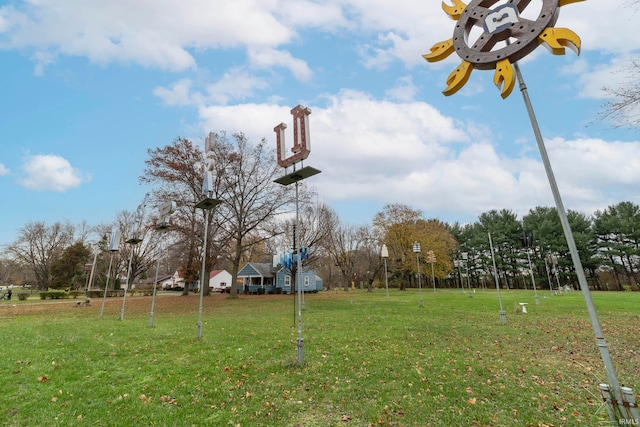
(505, 34)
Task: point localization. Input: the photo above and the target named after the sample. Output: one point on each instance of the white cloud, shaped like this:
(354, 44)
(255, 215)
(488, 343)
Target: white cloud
(166, 34)
(234, 85)
(179, 94)
(408, 152)
(145, 32)
(267, 58)
(50, 172)
(592, 78)
(404, 91)
(4, 170)
(607, 26)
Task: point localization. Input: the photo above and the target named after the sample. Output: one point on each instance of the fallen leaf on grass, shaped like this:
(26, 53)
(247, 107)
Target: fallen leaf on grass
(42, 378)
(472, 400)
(167, 399)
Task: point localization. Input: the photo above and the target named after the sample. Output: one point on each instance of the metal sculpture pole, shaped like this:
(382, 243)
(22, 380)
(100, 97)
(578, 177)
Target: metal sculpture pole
(384, 253)
(114, 245)
(465, 259)
(417, 249)
(503, 314)
(93, 269)
(533, 280)
(206, 204)
(301, 149)
(126, 286)
(134, 239)
(300, 340)
(546, 267)
(163, 223)
(155, 286)
(499, 25)
(433, 279)
(431, 258)
(203, 275)
(106, 286)
(622, 404)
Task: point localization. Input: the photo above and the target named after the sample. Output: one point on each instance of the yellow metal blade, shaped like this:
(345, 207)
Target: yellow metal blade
(556, 39)
(454, 11)
(504, 78)
(566, 2)
(458, 78)
(439, 51)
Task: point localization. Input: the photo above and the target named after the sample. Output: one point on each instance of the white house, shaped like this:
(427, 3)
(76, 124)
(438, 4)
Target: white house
(173, 281)
(219, 279)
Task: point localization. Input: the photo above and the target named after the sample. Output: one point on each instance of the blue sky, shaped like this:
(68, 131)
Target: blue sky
(88, 87)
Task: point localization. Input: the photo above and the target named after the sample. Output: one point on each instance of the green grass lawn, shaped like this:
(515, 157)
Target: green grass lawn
(369, 361)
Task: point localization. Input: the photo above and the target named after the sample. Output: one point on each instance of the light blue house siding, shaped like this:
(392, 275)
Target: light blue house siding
(263, 278)
(257, 278)
(310, 281)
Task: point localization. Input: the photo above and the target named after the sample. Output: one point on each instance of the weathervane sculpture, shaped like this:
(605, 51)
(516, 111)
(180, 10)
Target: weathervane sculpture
(164, 213)
(506, 38)
(301, 149)
(134, 239)
(114, 246)
(206, 204)
(499, 25)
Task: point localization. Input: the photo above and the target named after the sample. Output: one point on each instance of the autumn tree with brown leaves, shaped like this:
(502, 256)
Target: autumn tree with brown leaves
(177, 171)
(38, 246)
(399, 226)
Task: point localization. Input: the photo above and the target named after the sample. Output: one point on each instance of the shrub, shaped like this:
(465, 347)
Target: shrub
(54, 295)
(22, 296)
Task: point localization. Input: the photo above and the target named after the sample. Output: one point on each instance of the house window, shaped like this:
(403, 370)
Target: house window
(306, 281)
(287, 281)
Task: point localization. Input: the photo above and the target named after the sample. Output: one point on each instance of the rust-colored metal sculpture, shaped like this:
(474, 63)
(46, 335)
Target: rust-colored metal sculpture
(506, 38)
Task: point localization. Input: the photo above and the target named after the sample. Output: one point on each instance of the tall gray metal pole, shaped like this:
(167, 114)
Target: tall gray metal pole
(417, 250)
(126, 286)
(93, 269)
(465, 258)
(533, 280)
(503, 314)
(106, 285)
(202, 272)
(419, 279)
(386, 278)
(155, 286)
(546, 267)
(582, 280)
(300, 341)
(433, 278)
(384, 252)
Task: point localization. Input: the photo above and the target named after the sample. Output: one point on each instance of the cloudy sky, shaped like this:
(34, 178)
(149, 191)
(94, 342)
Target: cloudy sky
(88, 87)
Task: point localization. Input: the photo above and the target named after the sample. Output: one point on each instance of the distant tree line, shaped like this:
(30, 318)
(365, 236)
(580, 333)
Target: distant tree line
(255, 220)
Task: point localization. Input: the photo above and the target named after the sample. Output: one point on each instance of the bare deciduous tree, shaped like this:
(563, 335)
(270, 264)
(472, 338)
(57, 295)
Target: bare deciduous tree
(623, 109)
(244, 177)
(39, 245)
(250, 197)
